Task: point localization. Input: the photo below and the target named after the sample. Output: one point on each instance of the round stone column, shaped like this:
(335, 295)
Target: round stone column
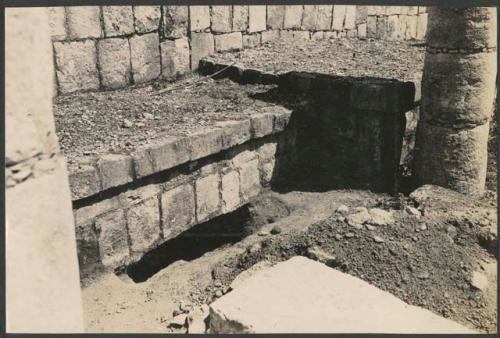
(42, 279)
(458, 93)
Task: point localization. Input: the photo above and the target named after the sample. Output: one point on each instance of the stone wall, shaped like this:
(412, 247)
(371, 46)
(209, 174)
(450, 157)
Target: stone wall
(126, 205)
(109, 47)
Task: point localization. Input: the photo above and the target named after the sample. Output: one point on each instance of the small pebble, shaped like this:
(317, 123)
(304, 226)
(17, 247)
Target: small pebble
(218, 293)
(423, 226)
(126, 124)
(378, 239)
(338, 237)
(276, 230)
(349, 235)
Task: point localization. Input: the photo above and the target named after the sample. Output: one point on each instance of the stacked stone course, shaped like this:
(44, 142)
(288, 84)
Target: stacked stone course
(110, 47)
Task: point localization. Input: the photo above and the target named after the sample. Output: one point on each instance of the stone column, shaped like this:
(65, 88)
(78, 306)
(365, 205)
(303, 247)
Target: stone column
(42, 279)
(458, 92)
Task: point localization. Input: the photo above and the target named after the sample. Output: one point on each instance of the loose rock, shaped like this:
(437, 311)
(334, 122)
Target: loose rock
(380, 217)
(479, 281)
(127, 124)
(342, 209)
(178, 321)
(276, 230)
(378, 239)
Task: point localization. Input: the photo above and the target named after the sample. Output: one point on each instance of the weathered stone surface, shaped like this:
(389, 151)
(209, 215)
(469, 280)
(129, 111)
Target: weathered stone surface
(178, 210)
(293, 16)
(134, 196)
(143, 164)
(275, 16)
(234, 132)
(451, 99)
(294, 36)
(170, 153)
(230, 191)
(227, 42)
(447, 29)
(316, 36)
(76, 66)
(199, 18)
(268, 169)
(87, 214)
(113, 242)
(118, 20)
(350, 17)
(371, 25)
(243, 157)
(281, 119)
(393, 10)
(392, 32)
(380, 217)
(267, 151)
(207, 196)
(361, 14)
(87, 245)
(202, 44)
(421, 26)
(175, 21)
(339, 13)
(240, 18)
(205, 143)
(270, 35)
(362, 31)
(221, 19)
(308, 296)
(251, 40)
(256, 18)
(145, 55)
(411, 27)
(147, 18)
(358, 217)
(317, 17)
(463, 169)
(115, 170)
(144, 225)
(57, 22)
(83, 22)
(114, 62)
(262, 124)
(381, 28)
(401, 34)
(249, 179)
(174, 58)
(84, 182)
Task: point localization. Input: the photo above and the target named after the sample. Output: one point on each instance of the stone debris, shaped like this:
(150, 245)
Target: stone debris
(342, 209)
(127, 124)
(349, 235)
(370, 227)
(380, 217)
(479, 281)
(423, 275)
(338, 237)
(178, 321)
(412, 211)
(276, 230)
(320, 255)
(197, 319)
(378, 239)
(358, 218)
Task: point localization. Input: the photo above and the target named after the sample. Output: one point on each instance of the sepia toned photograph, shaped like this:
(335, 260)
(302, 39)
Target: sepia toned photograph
(214, 169)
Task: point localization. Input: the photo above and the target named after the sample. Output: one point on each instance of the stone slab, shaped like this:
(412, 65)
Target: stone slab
(301, 295)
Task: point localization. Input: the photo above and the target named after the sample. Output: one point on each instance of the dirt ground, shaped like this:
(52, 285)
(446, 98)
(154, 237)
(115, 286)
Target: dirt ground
(402, 60)
(429, 266)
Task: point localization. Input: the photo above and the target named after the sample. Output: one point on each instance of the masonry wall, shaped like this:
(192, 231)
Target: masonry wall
(109, 47)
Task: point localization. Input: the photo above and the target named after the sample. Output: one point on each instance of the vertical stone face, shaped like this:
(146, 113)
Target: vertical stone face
(251, 40)
(174, 57)
(202, 44)
(175, 21)
(392, 31)
(113, 238)
(115, 170)
(199, 18)
(339, 12)
(454, 122)
(411, 27)
(271, 35)
(371, 26)
(57, 19)
(362, 31)
(227, 42)
(207, 196)
(381, 28)
(41, 265)
(350, 17)
(221, 19)
(114, 61)
(145, 56)
(240, 18)
(275, 17)
(76, 65)
(143, 222)
(249, 179)
(256, 18)
(361, 14)
(230, 191)
(317, 17)
(83, 22)
(178, 210)
(118, 20)
(146, 18)
(421, 26)
(293, 17)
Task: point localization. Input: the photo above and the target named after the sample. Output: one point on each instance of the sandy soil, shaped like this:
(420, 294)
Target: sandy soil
(429, 268)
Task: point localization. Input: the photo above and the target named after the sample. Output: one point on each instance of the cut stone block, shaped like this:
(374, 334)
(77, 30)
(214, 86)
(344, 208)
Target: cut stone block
(381, 28)
(199, 18)
(361, 14)
(362, 31)
(251, 40)
(339, 13)
(371, 26)
(268, 169)
(240, 18)
(295, 36)
(350, 17)
(170, 153)
(227, 42)
(317, 17)
(144, 225)
(114, 62)
(135, 196)
(147, 18)
(174, 58)
(256, 18)
(87, 244)
(84, 182)
(115, 170)
(304, 296)
(411, 27)
(57, 22)
(234, 132)
(83, 22)
(207, 196)
(178, 210)
(262, 124)
(421, 26)
(275, 16)
(175, 21)
(145, 55)
(392, 31)
(243, 157)
(205, 143)
(118, 20)
(316, 36)
(113, 242)
(221, 19)
(230, 191)
(267, 151)
(249, 180)
(76, 66)
(270, 35)
(202, 44)
(293, 16)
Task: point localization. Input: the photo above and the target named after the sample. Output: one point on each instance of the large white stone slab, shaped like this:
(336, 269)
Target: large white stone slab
(303, 296)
